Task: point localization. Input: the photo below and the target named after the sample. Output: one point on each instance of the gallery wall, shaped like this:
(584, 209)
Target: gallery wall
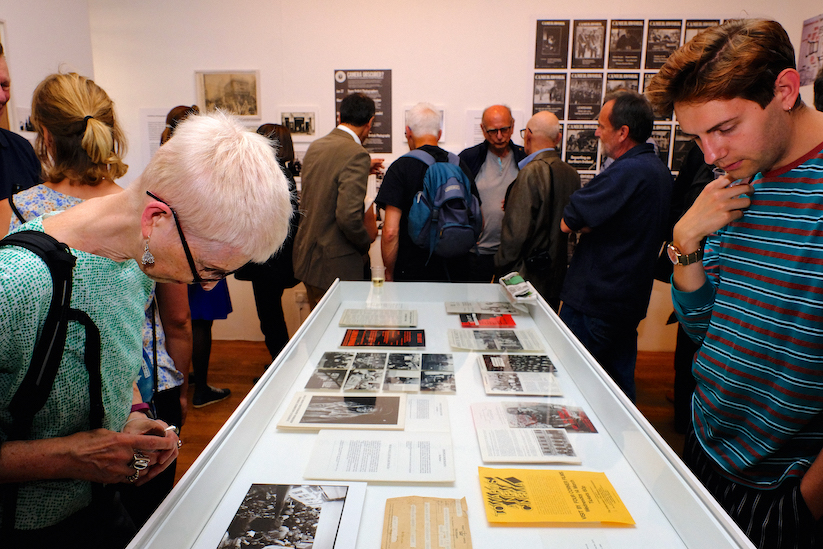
(461, 55)
(42, 37)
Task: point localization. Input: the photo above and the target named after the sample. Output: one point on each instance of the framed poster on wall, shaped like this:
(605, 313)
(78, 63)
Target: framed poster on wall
(234, 91)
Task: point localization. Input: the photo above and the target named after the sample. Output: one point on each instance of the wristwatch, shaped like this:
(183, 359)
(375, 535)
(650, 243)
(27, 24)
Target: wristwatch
(679, 258)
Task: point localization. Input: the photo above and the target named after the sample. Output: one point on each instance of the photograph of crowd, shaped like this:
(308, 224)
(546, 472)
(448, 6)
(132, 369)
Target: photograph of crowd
(283, 515)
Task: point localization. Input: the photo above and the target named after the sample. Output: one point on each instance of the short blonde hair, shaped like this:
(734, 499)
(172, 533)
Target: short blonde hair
(86, 143)
(225, 184)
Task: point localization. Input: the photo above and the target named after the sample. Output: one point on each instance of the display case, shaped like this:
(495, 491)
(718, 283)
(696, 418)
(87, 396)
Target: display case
(669, 505)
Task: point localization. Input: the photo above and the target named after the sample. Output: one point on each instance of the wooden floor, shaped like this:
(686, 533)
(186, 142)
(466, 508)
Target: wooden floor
(235, 364)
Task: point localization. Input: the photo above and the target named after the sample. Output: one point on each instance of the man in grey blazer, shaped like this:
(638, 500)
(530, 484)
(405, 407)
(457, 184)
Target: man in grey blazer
(333, 236)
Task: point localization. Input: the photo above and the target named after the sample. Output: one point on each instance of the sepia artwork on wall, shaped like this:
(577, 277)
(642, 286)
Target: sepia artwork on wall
(301, 121)
(235, 91)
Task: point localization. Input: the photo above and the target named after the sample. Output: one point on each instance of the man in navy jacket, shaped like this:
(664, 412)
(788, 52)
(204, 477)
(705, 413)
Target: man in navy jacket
(622, 214)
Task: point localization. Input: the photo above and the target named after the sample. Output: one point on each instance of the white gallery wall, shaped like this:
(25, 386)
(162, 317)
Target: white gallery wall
(458, 54)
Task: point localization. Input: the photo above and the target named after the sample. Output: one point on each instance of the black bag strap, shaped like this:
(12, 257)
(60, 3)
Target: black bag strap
(34, 391)
(15, 210)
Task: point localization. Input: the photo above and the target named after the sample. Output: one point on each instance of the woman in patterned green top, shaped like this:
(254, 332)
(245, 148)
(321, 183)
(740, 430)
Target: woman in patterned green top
(210, 200)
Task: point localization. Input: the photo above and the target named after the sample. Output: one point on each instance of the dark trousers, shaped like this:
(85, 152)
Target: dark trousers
(771, 519)
(613, 343)
(268, 300)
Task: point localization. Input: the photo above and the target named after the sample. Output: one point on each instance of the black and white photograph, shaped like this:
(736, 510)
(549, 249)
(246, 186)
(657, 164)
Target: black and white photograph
(404, 361)
(588, 51)
(696, 26)
(369, 381)
(518, 363)
(585, 95)
(662, 136)
(682, 145)
(581, 146)
(550, 94)
(326, 380)
(232, 91)
(337, 360)
(438, 362)
(663, 38)
(552, 47)
(437, 382)
(361, 412)
(622, 80)
(647, 77)
(301, 122)
(625, 44)
(503, 382)
(305, 516)
(373, 361)
(402, 381)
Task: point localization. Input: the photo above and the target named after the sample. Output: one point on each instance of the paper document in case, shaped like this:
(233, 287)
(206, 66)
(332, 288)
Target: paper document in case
(550, 496)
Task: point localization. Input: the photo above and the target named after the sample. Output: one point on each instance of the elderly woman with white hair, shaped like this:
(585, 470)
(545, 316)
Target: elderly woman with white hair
(210, 200)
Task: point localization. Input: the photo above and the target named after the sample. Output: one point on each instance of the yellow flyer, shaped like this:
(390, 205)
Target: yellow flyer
(541, 495)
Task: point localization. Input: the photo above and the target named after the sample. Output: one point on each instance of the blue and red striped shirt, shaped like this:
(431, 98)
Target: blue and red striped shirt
(758, 406)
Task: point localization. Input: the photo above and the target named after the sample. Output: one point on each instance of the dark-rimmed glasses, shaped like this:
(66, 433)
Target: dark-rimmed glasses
(197, 278)
(504, 130)
(523, 132)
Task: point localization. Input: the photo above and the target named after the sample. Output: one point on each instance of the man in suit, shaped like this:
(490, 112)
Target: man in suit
(334, 236)
(531, 241)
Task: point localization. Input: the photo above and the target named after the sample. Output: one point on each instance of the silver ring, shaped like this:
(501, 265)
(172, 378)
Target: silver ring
(133, 478)
(139, 462)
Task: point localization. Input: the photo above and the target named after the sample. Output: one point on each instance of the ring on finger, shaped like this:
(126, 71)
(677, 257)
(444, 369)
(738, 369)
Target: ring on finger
(139, 462)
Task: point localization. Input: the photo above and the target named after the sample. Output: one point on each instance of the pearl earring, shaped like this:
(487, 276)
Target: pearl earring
(148, 258)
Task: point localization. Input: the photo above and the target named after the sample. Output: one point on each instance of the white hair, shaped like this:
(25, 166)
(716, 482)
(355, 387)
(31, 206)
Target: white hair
(423, 119)
(225, 184)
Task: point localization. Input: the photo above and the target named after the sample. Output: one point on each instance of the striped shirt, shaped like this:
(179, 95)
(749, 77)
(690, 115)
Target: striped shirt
(758, 406)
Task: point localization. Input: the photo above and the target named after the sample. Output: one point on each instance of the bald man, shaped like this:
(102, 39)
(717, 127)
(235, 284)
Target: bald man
(531, 241)
(493, 164)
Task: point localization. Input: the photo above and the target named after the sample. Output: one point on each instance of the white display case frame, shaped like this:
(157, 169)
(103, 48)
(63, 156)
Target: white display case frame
(670, 506)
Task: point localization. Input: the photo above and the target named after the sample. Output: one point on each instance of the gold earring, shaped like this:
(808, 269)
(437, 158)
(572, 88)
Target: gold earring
(148, 258)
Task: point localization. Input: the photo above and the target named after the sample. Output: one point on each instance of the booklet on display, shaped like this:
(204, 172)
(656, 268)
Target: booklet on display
(500, 443)
(315, 411)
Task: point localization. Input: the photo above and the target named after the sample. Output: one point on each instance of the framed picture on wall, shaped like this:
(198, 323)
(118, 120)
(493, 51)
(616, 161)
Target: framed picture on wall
(236, 92)
(300, 120)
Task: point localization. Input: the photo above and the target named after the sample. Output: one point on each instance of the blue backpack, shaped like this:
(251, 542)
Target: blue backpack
(445, 217)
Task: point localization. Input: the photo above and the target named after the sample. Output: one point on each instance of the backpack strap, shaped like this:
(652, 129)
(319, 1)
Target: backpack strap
(422, 156)
(34, 391)
(15, 210)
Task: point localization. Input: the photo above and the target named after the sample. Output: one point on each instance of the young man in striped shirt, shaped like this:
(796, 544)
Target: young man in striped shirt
(748, 278)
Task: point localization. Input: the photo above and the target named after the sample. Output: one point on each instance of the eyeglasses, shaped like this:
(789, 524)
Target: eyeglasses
(503, 130)
(523, 132)
(197, 278)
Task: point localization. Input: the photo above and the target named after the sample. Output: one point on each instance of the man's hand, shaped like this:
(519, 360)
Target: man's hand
(718, 205)
(376, 166)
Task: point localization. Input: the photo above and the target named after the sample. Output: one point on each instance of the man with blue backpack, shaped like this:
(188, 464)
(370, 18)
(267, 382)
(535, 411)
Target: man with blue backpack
(433, 217)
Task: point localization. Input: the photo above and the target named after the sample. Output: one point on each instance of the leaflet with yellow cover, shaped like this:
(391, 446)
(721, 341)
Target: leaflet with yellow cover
(550, 496)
